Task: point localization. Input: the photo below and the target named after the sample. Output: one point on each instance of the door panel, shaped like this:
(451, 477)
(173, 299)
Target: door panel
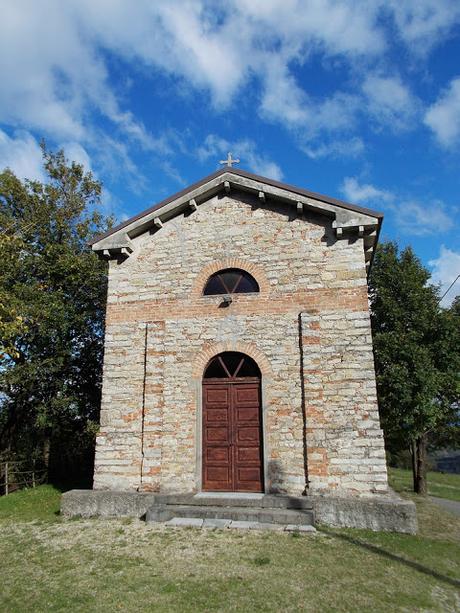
(248, 415)
(218, 454)
(245, 434)
(218, 415)
(247, 455)
(218, 474)
(217, 395)
(248, 438)
(248, 475)
(247, 394)
(232, 437)
(217, 464)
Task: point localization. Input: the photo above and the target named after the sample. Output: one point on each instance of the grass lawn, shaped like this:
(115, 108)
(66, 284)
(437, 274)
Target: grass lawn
(50, 564)
(442, 485)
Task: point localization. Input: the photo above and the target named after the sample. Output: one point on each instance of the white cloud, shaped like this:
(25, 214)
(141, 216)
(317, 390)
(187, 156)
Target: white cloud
(22, 154)
(285, 102)
(55, 75)
(443, 117)
(363, 192)
(335, 27)
(332, 147)
(112, 158)
(412, 216)
(422, 218)
(245, 149)
(46, 69)
(445, 270)
(389, 101)
(424, 23)
(314, 122)
(74, 152)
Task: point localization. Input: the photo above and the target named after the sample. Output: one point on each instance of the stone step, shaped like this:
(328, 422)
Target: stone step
(223, 524)
(166, 512)
(264, 501)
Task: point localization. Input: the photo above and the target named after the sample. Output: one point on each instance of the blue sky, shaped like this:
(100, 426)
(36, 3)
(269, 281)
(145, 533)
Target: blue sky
(359, 100)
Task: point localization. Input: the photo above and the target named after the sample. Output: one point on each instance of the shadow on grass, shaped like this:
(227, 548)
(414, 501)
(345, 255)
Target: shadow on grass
(64, 485)
(391, 556)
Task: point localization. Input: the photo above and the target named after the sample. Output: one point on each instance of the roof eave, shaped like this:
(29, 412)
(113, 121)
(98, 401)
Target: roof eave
(242, 173)
(348, 219)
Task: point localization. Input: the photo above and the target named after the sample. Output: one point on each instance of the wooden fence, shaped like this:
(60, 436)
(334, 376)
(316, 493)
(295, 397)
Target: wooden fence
(16, 475)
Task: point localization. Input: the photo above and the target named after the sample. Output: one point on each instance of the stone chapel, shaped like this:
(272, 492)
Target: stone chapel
(238, 351)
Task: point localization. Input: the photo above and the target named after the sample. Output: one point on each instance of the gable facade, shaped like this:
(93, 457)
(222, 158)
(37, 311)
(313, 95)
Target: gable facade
(307, 329)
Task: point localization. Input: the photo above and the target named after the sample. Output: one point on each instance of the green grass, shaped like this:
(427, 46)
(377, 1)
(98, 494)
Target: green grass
(50, 564)
(442, 485)
(40, 503)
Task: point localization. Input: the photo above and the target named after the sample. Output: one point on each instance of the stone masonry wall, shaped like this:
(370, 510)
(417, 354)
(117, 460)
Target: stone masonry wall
(308, 329)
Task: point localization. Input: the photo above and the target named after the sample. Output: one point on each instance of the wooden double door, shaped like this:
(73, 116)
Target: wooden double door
(232, 435)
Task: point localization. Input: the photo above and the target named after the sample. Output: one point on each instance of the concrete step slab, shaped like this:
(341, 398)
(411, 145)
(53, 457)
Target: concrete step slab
(243, 525)
(299, 528)
(216, 499)
(216, 523)
(224, 524)
(251, 514)
(185, 522)
(272, 527)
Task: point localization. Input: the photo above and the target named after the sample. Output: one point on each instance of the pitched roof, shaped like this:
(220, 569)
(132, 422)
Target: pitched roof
(347, 216)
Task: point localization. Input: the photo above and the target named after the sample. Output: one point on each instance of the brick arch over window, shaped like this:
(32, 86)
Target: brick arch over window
(212, 349)
(204, 274)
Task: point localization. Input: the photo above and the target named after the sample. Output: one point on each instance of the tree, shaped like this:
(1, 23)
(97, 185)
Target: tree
(416, 346)
(52, 297)
(448, 432)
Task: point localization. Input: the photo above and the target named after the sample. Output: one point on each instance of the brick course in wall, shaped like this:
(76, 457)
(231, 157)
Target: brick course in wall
(308, 330)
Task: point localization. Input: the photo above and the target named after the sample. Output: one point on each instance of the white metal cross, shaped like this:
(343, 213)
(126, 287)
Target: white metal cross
(229, 161)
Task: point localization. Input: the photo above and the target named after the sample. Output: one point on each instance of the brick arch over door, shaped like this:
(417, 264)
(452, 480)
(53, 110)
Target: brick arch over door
(212, 349)
(204, 274)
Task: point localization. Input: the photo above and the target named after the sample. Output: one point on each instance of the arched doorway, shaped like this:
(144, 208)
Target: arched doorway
(232, 425)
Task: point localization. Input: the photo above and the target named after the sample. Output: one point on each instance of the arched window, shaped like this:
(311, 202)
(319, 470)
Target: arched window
(231, 365)
(230, 281)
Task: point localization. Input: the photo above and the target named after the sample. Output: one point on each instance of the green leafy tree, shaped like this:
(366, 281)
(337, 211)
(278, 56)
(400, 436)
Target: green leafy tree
(52, 296)
(448, 432)
(416, 346)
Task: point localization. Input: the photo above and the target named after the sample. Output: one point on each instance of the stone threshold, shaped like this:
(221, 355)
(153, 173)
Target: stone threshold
(230, 495)
(223, 524)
